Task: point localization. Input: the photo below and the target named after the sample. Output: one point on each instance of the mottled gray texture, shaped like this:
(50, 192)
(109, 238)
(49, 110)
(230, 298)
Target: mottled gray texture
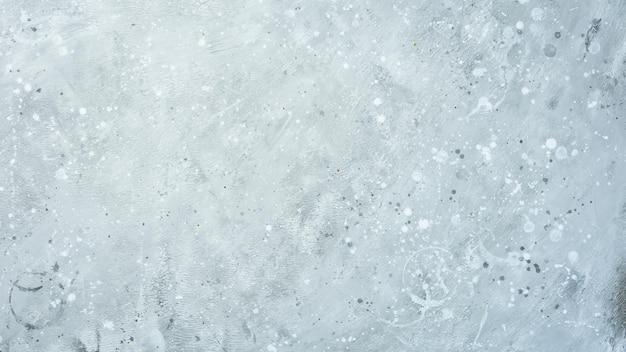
(312, 175)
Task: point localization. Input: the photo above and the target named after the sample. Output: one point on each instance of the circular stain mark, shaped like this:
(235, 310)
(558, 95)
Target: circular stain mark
(549, 50)
(36, 300)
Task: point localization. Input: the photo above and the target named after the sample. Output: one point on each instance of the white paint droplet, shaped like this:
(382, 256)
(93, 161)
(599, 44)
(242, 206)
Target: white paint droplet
(441, 156)
(380, 118)
(378, 101)
(479, 71)
(408, 211)
(537, 14)
(519, 25)
(561, 153)
(71, 297)
(201, 42)
(416, 176)
(572, 256)
(36, 117)
(423, 224)
(456, 220)
(529, 227)
(268, 228)
(60, 174)
(525, 90)
(63, 51)
(555, 235)
(551, 143)
(82, 111)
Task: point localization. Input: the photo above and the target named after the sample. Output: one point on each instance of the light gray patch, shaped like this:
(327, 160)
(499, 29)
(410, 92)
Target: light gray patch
(549, 50)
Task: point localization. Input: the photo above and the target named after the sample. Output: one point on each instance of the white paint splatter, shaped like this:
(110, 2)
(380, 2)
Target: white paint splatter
(551, 143)
(60, 174)
(561, 152)
(555, 235)
(529, 226)
(416, 176)
(572, 256)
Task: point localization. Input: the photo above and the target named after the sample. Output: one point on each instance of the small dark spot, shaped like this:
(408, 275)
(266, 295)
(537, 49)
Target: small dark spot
(556, 306)
(360, 300)
(485, 265)
(557, 35)
(501, 278)
(38, 90)
(454, 191)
